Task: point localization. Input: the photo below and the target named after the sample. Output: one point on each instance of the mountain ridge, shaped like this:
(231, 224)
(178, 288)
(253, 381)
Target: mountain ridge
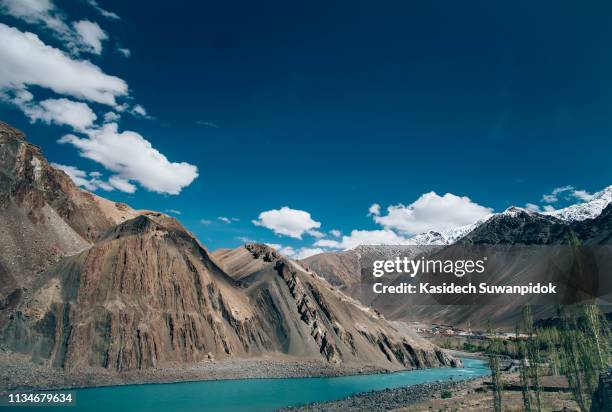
(515, 226)
(90, 282)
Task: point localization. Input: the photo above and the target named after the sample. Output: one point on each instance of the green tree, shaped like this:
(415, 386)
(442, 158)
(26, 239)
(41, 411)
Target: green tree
(495, 365)
(523, 373)
(533, 354)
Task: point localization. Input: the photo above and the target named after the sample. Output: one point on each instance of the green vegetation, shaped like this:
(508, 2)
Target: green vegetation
(447, 395)
(585, 351)
(523, 373)
(495, 364)
(577, 347)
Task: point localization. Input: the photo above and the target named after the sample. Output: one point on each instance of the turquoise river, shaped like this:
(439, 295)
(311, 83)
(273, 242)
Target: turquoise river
(251, 394)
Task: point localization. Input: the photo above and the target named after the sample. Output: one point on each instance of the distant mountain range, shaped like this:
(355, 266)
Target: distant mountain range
(590, 223)
(575, 213)
(85, 281)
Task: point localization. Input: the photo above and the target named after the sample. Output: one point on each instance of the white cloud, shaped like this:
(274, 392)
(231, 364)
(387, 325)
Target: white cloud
(125, 52)
(81, 178)
(90, 35)
(173, 211)
(205, 221)
(82, 36)
(40, 12)
(103, 12)
(564, 192)
(374, 210)
(335, 233)
(132, 157)
(91, 181)
(287, 251)
(364, 237)
(287, 221)
(315, 233)
(553, 196)
(432, 212)
(535, 208)
(305, 252)
(121, 184)
(62, 111)
(140, 111)
(228, 220)
(582, 195)
(25, 60)
(301, 253)
(111, 117)
(532, 207)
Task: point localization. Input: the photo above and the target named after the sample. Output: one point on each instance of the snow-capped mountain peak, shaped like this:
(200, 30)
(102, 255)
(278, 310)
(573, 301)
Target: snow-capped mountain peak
(587, 210)
(429, 238)
(514, 211)
(447, 236)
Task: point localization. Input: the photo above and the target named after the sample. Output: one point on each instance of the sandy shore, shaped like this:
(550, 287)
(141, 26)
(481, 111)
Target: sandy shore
(18, 373)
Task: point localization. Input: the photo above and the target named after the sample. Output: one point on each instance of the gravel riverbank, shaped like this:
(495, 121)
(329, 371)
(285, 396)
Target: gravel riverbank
(389, 399)
(18, 373)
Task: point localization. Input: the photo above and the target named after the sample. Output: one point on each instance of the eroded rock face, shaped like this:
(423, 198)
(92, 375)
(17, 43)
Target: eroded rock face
(144, 293)
(96, 283)
(341, 328)
(43, 215)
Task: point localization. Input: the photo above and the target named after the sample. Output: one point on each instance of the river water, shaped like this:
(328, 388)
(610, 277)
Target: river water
(252, 395)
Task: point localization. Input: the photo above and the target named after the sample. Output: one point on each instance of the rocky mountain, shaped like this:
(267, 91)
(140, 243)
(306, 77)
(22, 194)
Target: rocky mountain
(43, 215)
(341, 269)
(587, 210)
(341, 327)
(520, 226)
(344, 269)
(89, 282)
(515, 227)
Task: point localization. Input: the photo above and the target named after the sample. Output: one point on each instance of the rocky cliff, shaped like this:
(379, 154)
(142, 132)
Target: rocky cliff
(43, 215)
(88, 282)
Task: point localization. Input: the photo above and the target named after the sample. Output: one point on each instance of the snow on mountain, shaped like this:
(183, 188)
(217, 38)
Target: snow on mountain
(587, 210)
(454, 234)
(429, 238)
(578, 212)
(448, 236)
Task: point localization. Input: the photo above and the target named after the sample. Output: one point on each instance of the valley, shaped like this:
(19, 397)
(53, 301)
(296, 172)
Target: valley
(112, 288)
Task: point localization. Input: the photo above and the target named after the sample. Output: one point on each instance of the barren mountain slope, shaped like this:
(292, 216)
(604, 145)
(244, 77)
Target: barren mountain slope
(43, 215)
(514, 226)
(341, 269)
(538, 253)
(342, 328)
(147, 293)
(102, 285)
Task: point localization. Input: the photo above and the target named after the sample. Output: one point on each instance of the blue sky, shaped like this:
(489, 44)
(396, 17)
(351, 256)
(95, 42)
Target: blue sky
(323, 107)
